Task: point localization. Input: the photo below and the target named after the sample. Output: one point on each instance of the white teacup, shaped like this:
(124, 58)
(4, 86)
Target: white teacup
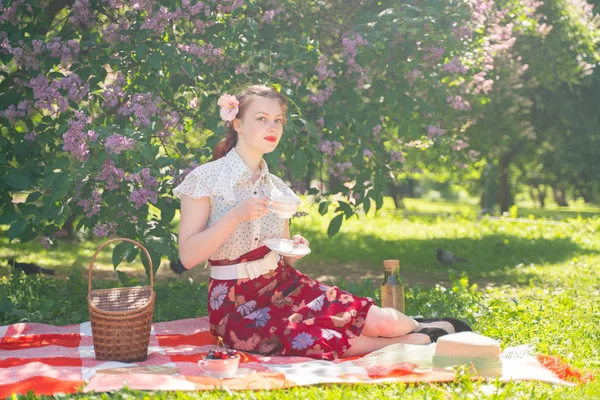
(284, 206)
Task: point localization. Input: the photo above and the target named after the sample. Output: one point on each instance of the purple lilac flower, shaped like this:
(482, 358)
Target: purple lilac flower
(455, 66)
(321, 68)
(111, 175)
(412, 76)
(458, 103)
(74, 139)
(142, 196)
(322, 96)
(91, 206)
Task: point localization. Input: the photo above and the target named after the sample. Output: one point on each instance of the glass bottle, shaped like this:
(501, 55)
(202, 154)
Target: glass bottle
(392, 288)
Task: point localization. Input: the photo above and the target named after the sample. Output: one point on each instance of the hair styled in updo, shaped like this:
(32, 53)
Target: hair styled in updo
(244, 98)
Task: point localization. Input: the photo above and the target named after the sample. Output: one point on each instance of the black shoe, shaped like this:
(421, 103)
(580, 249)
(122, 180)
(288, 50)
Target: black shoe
(457, 324)
(433, 333)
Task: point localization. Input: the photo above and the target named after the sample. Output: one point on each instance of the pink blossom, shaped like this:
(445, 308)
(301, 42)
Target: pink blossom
(268, 16)
(412, 76)
(193, 103)
(322, 96)
(367, 153)
(229, 107)
(376, 130)
(321, 122)
(31, 136)
(473, 154)
(321, 68)
(396, 156)
(434, 131)
(241, 69)
(459, 145)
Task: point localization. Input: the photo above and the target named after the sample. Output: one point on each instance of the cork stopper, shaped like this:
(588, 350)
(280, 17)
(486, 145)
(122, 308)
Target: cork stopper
(391, 265)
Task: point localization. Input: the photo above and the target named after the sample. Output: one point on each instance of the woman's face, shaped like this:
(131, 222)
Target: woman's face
(262, 125)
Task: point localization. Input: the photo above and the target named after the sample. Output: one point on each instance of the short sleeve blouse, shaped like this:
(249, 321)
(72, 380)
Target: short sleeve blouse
(227, 182)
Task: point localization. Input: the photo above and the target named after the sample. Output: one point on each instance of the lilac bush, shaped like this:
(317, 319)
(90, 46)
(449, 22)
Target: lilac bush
(110, 103)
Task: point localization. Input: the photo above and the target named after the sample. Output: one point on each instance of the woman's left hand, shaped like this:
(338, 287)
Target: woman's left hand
(299, 239)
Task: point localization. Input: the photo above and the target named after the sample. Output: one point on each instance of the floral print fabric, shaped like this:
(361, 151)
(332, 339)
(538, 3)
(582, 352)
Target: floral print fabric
(285, 312)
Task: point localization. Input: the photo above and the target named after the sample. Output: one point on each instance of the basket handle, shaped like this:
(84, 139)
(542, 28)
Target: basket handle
(119, 240)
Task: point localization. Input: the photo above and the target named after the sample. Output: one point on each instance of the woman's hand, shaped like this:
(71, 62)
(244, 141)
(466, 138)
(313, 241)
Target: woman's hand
(297, 239)
(252, 208)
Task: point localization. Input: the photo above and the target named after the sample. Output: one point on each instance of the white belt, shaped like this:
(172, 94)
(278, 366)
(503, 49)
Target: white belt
(250, 269)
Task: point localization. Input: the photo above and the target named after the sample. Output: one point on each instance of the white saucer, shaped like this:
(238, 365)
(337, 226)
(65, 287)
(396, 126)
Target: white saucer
(286, 247)
(240, 373)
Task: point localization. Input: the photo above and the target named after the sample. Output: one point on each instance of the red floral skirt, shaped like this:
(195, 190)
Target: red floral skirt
(284, 312)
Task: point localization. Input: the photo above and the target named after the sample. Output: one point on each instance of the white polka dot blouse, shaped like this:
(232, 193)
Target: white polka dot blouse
(227, 181)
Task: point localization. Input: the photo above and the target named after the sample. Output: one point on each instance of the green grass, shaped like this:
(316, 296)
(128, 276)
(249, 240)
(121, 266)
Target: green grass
(525, 283)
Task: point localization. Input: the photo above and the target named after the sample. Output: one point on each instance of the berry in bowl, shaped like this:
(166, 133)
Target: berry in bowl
(220, 363)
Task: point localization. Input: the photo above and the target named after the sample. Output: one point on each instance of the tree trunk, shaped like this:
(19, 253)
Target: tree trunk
(504, 184)
(542, 195)
(396, 194)
(560, 196)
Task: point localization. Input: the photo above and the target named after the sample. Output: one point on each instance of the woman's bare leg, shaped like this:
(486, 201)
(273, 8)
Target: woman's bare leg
(388, 323)
(366, 344)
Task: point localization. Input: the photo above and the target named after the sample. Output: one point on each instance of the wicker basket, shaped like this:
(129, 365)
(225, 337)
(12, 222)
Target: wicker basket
(121, 318)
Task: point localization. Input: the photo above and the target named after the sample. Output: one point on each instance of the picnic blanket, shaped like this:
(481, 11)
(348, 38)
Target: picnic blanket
(50, 359)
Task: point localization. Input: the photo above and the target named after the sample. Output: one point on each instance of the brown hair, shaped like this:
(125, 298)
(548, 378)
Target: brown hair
(244, 98)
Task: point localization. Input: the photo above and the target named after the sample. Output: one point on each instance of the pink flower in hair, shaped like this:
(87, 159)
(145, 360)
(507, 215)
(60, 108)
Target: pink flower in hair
(229, 107)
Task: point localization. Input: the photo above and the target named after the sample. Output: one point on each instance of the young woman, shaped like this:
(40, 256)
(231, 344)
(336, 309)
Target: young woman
(257, 301)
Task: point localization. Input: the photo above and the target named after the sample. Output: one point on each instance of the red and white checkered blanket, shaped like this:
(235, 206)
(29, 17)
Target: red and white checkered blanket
(53, 359)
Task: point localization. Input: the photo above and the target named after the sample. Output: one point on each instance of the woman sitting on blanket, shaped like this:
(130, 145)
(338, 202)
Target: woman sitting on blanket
(275, 309)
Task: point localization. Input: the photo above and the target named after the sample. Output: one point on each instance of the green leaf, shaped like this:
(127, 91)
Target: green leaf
(155, 257)
(8, 217)
(367, 204)
(123, 278)
(16, 229)
(155, 59)
(299, 164)
(345, 207)
(167, 210)
(141, 50)
(120, 252)
(158, 244)
(334, 225)
(33, 197)
(18, 179)
(323, 207)
(149, 152)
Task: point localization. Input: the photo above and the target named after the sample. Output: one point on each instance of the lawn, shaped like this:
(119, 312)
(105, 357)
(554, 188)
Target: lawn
(534, 280)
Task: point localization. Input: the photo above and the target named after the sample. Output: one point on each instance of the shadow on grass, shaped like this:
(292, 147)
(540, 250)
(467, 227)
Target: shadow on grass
(492, 259)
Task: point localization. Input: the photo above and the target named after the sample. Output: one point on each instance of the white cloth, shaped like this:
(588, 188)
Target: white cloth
(227, 181)
(246, 270)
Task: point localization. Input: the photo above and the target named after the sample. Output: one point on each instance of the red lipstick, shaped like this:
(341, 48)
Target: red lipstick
(271, 139)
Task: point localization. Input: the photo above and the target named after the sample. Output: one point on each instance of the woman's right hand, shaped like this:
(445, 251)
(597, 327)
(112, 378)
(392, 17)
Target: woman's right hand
(252, 208)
